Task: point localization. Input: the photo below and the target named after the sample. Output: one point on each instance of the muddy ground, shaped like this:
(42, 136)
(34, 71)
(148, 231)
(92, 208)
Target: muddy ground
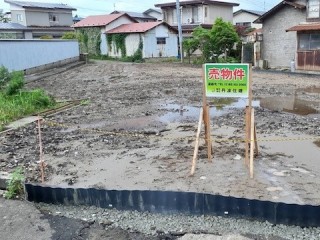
(136, 130)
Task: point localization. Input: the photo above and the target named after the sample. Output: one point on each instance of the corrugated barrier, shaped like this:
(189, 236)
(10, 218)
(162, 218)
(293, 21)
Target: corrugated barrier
(179, 202)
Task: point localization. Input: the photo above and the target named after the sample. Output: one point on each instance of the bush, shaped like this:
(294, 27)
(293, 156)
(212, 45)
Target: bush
(15, 84)
(69, 35)
(46, 37)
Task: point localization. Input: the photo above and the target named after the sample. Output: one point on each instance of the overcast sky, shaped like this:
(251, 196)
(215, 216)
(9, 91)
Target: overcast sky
(96, 7)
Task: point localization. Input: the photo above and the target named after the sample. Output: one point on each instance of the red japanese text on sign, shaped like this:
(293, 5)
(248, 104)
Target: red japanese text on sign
(226, 74)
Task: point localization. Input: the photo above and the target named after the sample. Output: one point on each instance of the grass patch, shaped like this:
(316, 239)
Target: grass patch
(24, 103)
(15, 102)
(136, 58)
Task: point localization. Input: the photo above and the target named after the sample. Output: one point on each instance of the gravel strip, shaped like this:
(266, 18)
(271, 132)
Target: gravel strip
(179, 224)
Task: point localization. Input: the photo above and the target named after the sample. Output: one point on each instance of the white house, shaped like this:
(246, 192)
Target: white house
(196, 13)
(246, 18)
(97, 25)
(158, 39)
(41, 19)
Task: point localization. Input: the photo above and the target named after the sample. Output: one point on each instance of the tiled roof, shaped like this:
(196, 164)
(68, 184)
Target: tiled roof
(99, 20)
(259, 30)
(254, 12)
(12, 26)
(158, 10)
(277, 8)
(196, 2)
(137, 27)
(40, 5)
(305, 27)
(136, 15)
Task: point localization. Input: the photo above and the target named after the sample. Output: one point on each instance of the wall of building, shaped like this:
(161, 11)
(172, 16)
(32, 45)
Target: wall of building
(64, 19)
(246, 17)
(26, 54)
(156, 15)
(216, 11)
(132, 43)
(278, 46)
(37, 19)
(41, 18)
(152, 49)
(206, 14)
(103, 44)
(118, 22)
(14, 17)
(171, 16)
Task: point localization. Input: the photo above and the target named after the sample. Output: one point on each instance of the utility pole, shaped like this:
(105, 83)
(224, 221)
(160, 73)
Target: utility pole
(179, 29)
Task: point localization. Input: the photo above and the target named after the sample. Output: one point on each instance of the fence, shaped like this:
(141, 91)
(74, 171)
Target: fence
(17, 55)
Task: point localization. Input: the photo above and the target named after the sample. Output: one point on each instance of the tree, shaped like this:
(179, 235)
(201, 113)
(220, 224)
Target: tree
(223, 36)
(2, 17)
(216, 41)
(190, 45)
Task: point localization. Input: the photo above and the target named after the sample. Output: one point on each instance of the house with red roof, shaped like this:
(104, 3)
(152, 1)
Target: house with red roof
(120, 35)
(92, 31)
(153, 39)
(291, 35)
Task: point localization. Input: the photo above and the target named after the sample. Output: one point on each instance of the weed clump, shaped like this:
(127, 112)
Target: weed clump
(15, 184)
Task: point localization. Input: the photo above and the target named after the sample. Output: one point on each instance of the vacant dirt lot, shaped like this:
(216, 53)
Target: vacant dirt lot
(137, 131)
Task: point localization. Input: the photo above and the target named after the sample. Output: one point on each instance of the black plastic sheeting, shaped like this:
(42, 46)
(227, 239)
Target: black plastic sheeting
(179, 202)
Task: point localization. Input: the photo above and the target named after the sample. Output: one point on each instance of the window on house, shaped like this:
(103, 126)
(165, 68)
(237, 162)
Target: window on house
(205, 12)
(161, 40)
(19, 18)
(195, 14)
(53, 17)
(164, 16)
(309, 41)
(313, 9)
(243, 24)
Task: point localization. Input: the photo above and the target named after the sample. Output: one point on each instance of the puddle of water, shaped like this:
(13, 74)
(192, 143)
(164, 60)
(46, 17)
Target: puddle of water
(289, 104)
(218, 107)
(310, 89)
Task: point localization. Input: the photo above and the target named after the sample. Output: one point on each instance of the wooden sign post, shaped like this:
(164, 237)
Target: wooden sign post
(227, 81)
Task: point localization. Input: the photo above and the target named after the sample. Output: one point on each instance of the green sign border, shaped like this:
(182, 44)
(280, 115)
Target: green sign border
(227, 80)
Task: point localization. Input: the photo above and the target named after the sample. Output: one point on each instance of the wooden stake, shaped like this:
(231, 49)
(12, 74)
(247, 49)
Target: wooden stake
(252, 139)
(247, 134)
(205, 120)
(196, 148)
(206, 117)
(208, 137)
(41, 151)
(256, 141)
